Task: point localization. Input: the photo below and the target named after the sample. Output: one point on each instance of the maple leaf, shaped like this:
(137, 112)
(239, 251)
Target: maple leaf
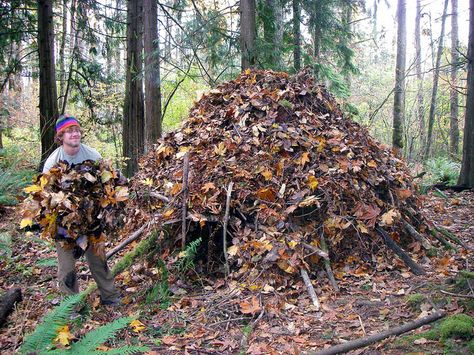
(233, 250)
(304, 159)
(312, 182)
(388, 217)
(266, 194)
(64, 336)
(220, 149)
(372, 164)
(25, 222)
(208, 186)
(168, 213)
(32, 189)
(147, 182)
(105, 176)
(137, 326)
(250, 307)
(267, 174)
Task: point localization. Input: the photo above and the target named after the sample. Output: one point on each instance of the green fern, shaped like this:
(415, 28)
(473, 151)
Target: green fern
(186, 262)
(41, 340)
(94, 338)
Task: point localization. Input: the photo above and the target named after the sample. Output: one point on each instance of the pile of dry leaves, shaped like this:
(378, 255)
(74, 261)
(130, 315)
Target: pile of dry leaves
(86, 199)
(296, 177)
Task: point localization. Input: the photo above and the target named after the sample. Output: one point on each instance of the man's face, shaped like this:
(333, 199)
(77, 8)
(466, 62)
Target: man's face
(72, 137)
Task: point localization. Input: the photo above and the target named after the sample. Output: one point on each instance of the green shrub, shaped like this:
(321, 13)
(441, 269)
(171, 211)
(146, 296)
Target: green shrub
(13, 177)
(442, 170)
(457, 326)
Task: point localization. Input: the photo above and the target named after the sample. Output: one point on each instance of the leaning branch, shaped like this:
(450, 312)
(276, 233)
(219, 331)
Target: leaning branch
(135, 235)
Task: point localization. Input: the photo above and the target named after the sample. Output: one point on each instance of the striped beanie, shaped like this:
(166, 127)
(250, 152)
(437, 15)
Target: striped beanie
(65, 121)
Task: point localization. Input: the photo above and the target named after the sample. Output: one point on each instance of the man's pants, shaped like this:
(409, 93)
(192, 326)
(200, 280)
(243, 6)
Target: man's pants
(97, 264)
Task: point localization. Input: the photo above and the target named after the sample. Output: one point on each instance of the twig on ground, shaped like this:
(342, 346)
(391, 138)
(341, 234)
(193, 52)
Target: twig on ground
(327, 264)
(456, 294)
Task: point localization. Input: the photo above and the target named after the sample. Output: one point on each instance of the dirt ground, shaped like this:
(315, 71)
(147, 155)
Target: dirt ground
(214, 318)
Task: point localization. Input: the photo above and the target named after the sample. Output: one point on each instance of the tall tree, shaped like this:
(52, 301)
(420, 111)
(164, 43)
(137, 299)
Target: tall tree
(152, 72)
(271, 15)
(399, 92)
(48, 105)
(420, 110)
(434, 93)
(133, 112)
(62, 59)
(466, 177)
(248, 33)
(453, 122)
(297, 35)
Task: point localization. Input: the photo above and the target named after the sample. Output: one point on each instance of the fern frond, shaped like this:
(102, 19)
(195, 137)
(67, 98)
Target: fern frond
(125, 350)
(42, 338)
(94, 338)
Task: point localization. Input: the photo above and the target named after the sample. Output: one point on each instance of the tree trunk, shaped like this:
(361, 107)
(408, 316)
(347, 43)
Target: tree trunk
(434, 93)
(297, 34)
(247, 33)
(420, 110)
(152, 73)
(48, 105)
(453, 123)
(399, 92)
(62, 59)
(272, 19)
(466, 177)
(133, 115)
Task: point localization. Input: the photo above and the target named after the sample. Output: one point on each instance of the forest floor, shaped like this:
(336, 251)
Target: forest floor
(370, 301)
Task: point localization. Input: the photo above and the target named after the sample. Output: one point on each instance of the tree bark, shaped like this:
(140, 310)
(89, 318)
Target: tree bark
(453, 122)
(297, 35)
(399, 92)
(48, 105)
(62, 59)
(152, 73)
(247, 33)
(420, 109)
(431, 117)
(466, 177)
(133, 116)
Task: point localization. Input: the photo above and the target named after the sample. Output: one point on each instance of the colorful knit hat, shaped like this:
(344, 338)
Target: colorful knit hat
(65, 121)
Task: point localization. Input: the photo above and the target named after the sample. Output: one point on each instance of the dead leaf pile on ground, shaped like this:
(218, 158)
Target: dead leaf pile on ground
(297, 170)
(85, 199)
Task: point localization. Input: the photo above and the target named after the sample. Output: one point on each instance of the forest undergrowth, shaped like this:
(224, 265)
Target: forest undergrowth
(368, 302)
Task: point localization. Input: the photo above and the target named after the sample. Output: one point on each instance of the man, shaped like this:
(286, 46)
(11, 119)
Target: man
(68, 135)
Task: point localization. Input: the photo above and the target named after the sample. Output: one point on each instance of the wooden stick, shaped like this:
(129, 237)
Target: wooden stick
(415, 268)
(456, 294)
(159, 196)
(310, 288)
(417, 236)
(362, 342)
(327, 264)
(127, 241)
(185, 199)
(318, 251)
(226, 220)
(7, 302)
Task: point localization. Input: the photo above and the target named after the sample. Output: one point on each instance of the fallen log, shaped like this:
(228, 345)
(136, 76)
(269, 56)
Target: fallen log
(7, 302)
(415, 268)
(362, 342)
